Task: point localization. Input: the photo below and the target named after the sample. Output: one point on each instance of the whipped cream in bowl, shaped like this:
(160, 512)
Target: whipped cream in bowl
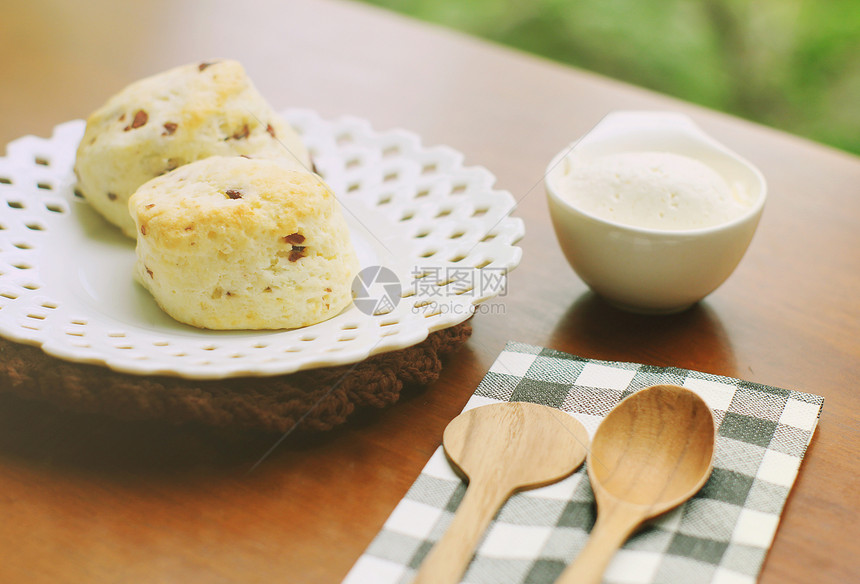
(651, 212)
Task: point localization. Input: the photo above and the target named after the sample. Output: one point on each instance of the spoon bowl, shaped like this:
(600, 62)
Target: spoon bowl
(501, 449)
(651, 453)
(660, 441)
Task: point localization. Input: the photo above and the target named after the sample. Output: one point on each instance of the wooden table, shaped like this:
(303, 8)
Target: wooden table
(84, 499)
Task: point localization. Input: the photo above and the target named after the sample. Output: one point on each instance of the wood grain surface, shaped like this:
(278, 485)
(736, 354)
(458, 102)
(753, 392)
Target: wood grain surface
(87, 499)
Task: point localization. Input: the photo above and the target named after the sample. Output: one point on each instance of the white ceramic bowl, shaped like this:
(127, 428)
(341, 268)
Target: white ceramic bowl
(650, 270)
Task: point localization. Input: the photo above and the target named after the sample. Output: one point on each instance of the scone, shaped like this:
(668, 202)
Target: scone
(162, 122)
(236, 243)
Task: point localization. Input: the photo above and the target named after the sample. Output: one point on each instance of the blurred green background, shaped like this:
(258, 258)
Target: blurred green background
(790, 64)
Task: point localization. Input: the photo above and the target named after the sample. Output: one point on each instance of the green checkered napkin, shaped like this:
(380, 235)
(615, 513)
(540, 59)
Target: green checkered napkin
(720, 536)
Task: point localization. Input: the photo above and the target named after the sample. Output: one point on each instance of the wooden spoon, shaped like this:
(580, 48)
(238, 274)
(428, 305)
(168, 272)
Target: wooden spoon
(651, 453)
(500, 448)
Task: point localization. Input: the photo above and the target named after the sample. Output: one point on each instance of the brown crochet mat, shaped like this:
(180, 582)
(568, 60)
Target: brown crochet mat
(317, 399)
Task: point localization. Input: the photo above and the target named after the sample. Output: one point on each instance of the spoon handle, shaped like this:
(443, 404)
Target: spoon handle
(449, 558)
(614, 525)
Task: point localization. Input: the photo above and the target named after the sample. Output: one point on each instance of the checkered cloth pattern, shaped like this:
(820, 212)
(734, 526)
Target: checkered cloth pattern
(720, 536)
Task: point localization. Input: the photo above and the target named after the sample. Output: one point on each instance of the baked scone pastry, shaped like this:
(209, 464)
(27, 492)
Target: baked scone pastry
(236, 243)
(184, 114)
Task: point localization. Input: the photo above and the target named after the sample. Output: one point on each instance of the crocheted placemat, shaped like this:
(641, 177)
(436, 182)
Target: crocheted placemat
(311, 400)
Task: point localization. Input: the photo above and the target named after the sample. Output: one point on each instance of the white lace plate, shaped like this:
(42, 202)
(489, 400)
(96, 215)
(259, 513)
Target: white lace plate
(66, 275)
